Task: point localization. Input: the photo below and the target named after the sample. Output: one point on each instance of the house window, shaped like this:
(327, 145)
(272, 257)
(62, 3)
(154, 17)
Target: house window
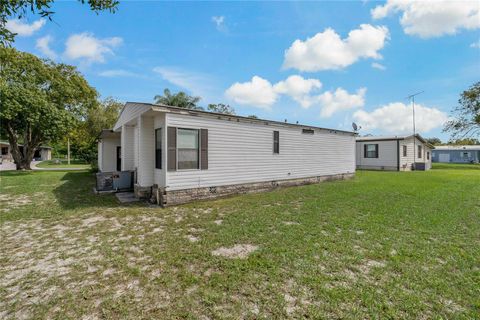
(187, 148)
(276, 142)
(308, 131)
(466, 155)
(4, 151)
(419, 155)
(428, 155)
(158, 148)
(371, 151)
(404, 151)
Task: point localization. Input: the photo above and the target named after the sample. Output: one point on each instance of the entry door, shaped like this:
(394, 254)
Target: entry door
(119, 158)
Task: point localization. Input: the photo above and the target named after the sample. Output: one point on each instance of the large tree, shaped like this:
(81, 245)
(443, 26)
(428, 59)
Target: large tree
(83, 138)
(40, 101)
(21, 8)
(179, 99)
(466, 122)
(434, 141)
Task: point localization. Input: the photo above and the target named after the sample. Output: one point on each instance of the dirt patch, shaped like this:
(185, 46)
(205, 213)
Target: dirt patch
(291, 223)
(239, 251)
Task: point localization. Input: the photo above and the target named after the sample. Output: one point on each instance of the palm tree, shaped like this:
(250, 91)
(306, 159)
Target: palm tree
(179, 99)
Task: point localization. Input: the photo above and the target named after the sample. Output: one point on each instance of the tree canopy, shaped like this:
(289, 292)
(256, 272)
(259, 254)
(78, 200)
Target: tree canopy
(179, 99)
(466, 122)
(221, 108)
(434, 141)
(20, 8)
(84, 138)
(41, 101)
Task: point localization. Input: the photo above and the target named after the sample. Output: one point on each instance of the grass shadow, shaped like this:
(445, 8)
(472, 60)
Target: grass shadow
(76, 192)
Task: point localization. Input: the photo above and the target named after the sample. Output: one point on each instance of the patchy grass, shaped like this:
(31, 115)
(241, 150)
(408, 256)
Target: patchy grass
(384, 245)
(64, 164)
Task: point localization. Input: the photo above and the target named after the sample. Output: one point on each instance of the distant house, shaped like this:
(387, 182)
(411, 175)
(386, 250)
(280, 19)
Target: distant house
(179, 155)
(395, 153)
(456, 154)
(41, 153)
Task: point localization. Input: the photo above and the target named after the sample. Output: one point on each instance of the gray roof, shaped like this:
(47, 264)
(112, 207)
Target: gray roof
(459, 148)
(398, 137)
(226, 116)
(108, 133)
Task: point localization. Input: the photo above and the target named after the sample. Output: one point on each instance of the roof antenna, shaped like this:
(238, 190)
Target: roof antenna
(412, 98)
(285, 120)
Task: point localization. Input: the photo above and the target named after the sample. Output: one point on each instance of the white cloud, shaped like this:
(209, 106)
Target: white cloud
(475, 44)
(22, 28)
(219, 22)
(43, 45)
(435, 18)
(397, 118)
(86, 46)
(339, 100)
(326, 50)
(258, 93)
(117, 73)
(378, 66)
(299, 89)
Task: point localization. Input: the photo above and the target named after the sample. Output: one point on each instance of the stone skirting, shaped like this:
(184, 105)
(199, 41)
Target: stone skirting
(142, 192)
(168, 198)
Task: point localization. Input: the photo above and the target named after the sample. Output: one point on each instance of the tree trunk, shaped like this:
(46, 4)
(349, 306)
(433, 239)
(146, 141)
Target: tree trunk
(23, 159)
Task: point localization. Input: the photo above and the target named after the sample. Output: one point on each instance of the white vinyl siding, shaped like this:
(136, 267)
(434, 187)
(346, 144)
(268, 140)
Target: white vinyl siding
(107, 159)
(130, 112)
(240, 152)
(159, 174)
(128, 147)
(387, 155)
(406, 163)
(146, 150)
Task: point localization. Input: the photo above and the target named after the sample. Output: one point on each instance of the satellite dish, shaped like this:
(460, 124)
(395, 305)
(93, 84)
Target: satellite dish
(354, 126)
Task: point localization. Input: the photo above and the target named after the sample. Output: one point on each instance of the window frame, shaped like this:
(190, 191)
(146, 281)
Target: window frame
(158, 151)
(419, 151)
(276, 142)
(198, 149)
(428, 155)
(405, 151)
(367, 154)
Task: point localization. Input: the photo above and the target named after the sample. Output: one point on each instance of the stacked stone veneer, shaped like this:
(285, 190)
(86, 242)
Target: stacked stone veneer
(168, 198)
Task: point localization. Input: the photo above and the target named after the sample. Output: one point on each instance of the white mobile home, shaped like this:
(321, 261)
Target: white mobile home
(179, 155)
(397, 153)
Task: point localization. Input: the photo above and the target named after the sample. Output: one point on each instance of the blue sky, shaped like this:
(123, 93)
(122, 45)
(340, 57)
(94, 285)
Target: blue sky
(319, 63)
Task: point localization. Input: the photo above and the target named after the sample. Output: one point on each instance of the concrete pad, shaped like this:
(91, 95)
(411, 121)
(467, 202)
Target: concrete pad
(126, 197)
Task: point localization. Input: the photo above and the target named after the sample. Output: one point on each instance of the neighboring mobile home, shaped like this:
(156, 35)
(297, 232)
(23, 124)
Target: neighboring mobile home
(457, 154)
(397, 153)
(179, 155)
(42, 153)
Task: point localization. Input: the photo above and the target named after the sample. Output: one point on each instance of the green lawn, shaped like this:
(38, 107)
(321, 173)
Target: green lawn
(384, 245)
(64, 164)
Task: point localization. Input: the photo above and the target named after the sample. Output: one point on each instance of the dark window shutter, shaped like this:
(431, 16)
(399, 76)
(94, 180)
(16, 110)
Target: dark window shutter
(376, 150)
(203, 149)
(276, 142)
(172, 149)
(365, 151)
